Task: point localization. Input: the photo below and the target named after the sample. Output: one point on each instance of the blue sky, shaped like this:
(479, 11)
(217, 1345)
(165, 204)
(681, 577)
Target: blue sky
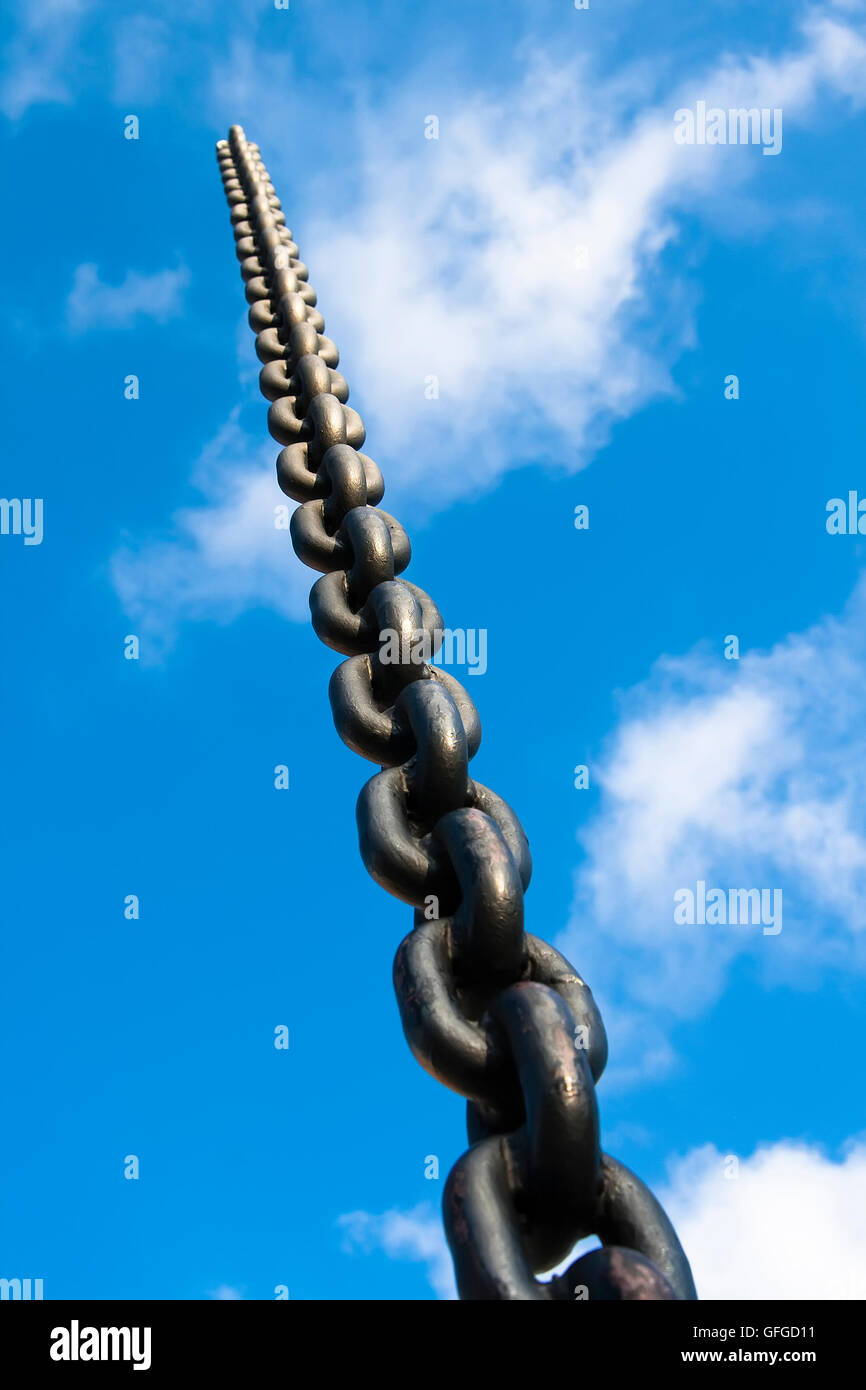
(566, 377)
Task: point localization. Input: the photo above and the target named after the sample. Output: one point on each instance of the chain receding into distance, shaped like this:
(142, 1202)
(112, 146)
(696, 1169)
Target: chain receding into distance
(489, 1010)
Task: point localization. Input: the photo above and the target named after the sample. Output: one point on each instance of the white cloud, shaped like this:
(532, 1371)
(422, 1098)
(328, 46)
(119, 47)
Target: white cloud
(404, 1235)
(460, 258)
(222, 557)
(741, 774)
(93, 304)
(143, 52)
(238, 78)
(39, 60)
(791, 1225)
(419, 1235)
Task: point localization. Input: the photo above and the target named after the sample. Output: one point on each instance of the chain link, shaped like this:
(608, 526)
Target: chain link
(489, 1010)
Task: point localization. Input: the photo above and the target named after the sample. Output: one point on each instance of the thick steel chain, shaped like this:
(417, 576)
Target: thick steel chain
(494, 1013)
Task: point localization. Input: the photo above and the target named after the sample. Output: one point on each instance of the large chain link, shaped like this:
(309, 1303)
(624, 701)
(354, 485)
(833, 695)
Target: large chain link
(494, 1013)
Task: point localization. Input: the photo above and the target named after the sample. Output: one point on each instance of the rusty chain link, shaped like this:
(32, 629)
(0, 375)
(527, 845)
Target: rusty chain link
(494, 1013)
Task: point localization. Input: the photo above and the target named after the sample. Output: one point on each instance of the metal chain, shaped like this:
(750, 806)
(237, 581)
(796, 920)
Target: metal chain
(491, 1011)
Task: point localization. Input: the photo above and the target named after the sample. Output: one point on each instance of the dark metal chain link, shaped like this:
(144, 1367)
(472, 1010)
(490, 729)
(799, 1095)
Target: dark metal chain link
(491, 1011)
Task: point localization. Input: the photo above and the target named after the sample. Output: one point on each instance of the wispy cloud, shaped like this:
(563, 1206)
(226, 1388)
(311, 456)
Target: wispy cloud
(239, 75)
(404, 1235)
(143, 50)
(741, 774)
(38, 62)
(226, 1294)
(786, 1223)
(221, 557)
(741, 1220)
(94, 304)
(520, 257)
